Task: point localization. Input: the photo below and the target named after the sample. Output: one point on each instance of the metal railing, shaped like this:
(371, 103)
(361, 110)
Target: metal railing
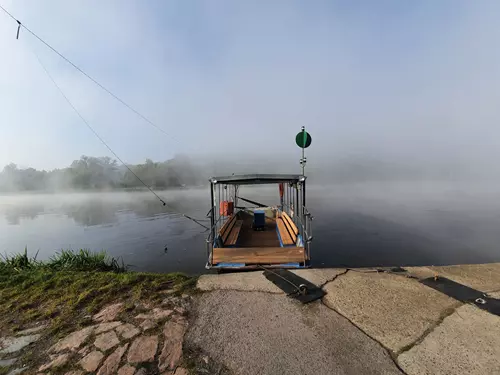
(303, 223)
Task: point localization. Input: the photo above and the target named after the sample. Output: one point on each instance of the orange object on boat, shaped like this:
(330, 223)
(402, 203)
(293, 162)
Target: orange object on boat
(226, 208)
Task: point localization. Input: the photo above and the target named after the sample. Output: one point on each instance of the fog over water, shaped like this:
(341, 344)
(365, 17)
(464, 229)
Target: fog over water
(363, 224)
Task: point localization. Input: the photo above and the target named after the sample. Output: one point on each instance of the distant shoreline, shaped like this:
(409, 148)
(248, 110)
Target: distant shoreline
(108, 190)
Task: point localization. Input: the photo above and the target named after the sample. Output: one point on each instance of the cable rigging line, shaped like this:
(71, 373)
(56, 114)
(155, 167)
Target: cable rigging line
(116, 97)
(105, 144)
(93, 130)
(197, 221)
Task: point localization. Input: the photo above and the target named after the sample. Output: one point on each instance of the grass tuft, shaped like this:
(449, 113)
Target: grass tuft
(84, 260)
(18, 262)
(65, 260)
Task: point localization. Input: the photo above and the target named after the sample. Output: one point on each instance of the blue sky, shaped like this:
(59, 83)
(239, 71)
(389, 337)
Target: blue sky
(402, 80)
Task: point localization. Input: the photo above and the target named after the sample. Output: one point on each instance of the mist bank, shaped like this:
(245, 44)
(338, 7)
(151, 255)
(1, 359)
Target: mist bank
(101, 173)
(105, 173)
(343, 168)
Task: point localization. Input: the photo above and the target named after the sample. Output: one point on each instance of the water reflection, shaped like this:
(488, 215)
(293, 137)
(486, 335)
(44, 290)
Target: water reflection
(89, 210)
(93, 212)
(14, 214)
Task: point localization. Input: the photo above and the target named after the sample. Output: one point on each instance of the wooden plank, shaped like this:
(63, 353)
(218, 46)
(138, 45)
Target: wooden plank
(286, 239)
(228, 231)
(226, 228)
(289, 230)
(258, 255)
(233, 236)
(292, 228)
(226, 224)
(291, 224)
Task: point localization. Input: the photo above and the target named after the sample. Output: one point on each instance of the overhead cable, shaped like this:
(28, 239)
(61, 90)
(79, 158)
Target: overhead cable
(108, 91)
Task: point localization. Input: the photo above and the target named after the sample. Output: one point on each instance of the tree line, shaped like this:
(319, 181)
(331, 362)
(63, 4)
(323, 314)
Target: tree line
(98, 173)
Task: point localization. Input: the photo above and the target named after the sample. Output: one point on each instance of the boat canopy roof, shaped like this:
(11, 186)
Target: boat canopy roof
(256, 179)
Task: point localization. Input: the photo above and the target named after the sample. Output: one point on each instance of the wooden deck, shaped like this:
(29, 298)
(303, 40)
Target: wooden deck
(258, 255)
(257, 238)
(256, 246)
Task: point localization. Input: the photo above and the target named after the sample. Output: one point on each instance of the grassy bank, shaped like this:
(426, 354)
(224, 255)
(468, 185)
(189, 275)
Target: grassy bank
(71, 286)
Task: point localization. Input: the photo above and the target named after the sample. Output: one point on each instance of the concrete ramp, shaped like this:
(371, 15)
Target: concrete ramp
(483, 277)
(394, 310)
(466, 342)
(369, 322)
(269, 334)
(256, 282)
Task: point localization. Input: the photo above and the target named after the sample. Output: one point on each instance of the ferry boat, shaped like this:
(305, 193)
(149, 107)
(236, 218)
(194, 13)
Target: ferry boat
(245, 234)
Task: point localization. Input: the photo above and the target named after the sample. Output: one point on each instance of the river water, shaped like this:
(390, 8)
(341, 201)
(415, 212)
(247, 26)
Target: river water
(375, 224)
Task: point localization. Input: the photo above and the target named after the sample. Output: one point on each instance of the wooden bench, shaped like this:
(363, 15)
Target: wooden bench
(230, 231)
(287, 229)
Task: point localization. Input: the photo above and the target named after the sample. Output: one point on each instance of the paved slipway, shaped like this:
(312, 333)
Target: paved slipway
(369, 322)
